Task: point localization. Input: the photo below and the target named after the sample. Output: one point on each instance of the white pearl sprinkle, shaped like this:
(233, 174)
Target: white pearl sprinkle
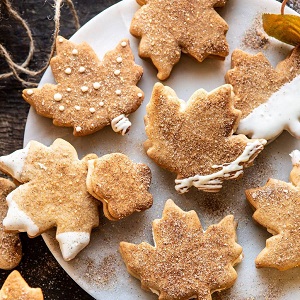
(118, 92)
(96, 85)
(78, 128)
(77, 107)
(92, 110)
(29, 92)
(117, 72)
(84, 88)
(119, 59)
(61, 108)
(123, 44)
(101, 103)
(140, 95)
(74, 51)
(81, 69)
(57, 97)
(68, 71)
(60, 39)
(69, 89)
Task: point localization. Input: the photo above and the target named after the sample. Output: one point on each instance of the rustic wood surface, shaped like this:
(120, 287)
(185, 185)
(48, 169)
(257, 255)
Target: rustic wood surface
(38, 266)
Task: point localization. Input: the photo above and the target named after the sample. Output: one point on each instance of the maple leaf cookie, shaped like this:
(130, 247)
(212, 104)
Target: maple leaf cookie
(267, 97)
(10, 244)
(16, 288)
(89, 94)
(120, 184)
(167, 28)
(186, 261)
(195, 139)
(53, 194)
(277, 207)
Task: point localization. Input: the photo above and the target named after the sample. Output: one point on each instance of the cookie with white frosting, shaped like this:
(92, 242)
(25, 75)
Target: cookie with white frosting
(268, 97)
(120, 184)
(90, 94)
(195, 140)
(53, 194)
(10, 244)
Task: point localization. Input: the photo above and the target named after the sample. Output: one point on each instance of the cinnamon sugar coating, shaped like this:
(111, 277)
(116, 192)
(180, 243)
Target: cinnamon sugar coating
(10, 244)
(167, 28)
(120, 184)
(185, 262)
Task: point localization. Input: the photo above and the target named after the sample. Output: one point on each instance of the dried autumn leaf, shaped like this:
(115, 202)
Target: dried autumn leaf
(167, 28)
(186, 262)
(195, 139)
(90, 94)
(285, 28)
(277, 207)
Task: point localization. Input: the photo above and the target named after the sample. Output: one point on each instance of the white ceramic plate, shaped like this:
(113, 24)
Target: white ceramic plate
(98, 268)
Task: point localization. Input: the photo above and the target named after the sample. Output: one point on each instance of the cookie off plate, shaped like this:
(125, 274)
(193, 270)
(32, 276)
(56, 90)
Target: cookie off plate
(99, 268)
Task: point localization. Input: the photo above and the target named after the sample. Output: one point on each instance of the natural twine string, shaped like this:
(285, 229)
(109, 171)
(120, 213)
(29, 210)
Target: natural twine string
(15, 68)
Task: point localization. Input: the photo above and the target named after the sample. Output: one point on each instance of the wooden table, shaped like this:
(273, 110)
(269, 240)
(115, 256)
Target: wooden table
(38, 266)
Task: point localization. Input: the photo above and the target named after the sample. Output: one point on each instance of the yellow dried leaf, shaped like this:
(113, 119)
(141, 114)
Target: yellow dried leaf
(285, 28)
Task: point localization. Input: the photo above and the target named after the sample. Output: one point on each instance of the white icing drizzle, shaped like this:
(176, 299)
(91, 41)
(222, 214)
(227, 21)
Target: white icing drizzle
(84, 89)
(96, 85)
(120, 123)
(68, 71)
(81, 69)
(57, 97)
(16, 219)
(281, 111)
(228, 171)
(15, 162)
(29, 92)
(71, 243)
(295, 155)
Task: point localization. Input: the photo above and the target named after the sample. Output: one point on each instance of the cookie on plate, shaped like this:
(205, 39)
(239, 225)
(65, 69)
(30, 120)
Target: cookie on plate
(90, 94)
(10, 244)
(53, 194)
(195, 139)
(277, 207)
(16, 288)
(167, 28)
(120, 184)
(186, 261)
(267, 97)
